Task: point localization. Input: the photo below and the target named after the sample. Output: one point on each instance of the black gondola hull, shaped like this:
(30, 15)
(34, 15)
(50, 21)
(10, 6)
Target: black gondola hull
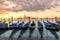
(52, 28)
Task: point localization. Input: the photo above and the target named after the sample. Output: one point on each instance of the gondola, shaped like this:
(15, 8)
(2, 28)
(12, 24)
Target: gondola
(3, 24)
(20, 24)
(13, 26)
(0, 21)
(51, 26)
(31, 28)
(26, 25)
(32, 25)
(40, 26)
(55, 24)
(23, 25)
(58, 22)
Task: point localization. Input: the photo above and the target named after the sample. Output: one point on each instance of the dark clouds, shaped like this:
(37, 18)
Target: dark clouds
(30, 5)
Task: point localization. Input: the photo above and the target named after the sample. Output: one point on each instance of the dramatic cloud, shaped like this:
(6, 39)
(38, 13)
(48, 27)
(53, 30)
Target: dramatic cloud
(29, 5)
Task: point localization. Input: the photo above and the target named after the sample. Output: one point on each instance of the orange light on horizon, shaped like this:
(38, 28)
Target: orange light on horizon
(41, 14)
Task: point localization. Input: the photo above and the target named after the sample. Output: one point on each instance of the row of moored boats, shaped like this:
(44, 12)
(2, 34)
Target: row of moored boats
(23, 24)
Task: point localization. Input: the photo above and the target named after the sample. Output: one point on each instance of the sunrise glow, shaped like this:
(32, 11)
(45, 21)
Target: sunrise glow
(10, 8)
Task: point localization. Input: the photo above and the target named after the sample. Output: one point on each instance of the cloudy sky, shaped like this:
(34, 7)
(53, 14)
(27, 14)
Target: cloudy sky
(30, 5)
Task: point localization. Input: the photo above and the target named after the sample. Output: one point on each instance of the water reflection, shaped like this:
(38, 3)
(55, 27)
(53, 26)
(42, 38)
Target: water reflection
(31, 32)
(54, 33)
(53, 29)
(13, 32)
(41, 32)
(3, 31)
(22, 32)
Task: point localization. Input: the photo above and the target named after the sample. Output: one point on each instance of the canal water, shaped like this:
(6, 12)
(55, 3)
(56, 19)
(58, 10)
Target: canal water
(47, 34)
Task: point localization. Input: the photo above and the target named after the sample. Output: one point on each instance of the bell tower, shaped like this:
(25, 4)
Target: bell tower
(24, 16)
